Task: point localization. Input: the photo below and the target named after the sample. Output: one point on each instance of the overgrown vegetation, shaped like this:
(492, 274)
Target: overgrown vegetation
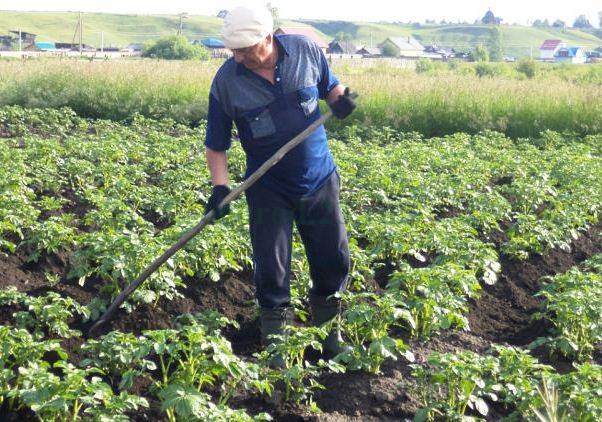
(440, 101)
(176, 47)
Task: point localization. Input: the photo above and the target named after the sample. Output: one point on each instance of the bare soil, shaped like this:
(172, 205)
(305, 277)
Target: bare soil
(503, 314)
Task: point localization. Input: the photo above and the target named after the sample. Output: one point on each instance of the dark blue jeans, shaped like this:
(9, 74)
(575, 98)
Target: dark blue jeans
(320, 223)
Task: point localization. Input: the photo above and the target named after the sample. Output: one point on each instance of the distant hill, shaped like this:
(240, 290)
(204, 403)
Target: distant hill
(120, 30)
(518, 40)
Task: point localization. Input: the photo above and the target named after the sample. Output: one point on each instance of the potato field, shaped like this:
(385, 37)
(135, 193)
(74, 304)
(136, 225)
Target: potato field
(475, 289)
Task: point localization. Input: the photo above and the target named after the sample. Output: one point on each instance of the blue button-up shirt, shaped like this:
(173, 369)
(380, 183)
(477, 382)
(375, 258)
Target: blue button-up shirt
(269, 115)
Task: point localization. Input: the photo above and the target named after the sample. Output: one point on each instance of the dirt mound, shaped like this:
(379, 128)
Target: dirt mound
(392, 395)
(502, 314)
(234, 297)
(504, 311)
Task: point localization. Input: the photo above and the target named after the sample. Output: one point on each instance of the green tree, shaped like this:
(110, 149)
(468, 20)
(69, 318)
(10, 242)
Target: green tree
(537, 23)
(559, 24)
(175, 47)
(480, 54)
(496, 45)
(600, 19)
(389, 50)
(582, 22)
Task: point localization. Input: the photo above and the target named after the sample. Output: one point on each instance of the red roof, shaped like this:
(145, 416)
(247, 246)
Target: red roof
(550, 44)
(308, 31)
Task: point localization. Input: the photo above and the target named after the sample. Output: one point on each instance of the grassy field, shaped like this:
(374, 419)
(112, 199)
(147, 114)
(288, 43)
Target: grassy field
(120, 30)
(441, 101)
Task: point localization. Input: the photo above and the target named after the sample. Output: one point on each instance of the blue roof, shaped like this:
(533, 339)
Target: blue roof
(212, 43)
(572, 51)
(46, 45)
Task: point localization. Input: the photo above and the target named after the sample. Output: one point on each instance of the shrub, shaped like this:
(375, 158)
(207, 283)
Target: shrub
(175, 48)
(479, 54)
(453, 64)
(486, 69)
(528, 67)
(424, 65)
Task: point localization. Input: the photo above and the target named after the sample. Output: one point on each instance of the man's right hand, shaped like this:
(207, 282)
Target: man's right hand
(217, 196)
(344, 105)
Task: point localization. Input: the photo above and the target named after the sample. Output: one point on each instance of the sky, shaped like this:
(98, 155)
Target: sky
(512, 11)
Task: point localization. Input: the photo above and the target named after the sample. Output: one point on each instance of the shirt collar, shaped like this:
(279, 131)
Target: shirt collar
(282, 51)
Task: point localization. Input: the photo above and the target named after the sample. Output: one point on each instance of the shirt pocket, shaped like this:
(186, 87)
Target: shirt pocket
(260, 123)
(308, 100)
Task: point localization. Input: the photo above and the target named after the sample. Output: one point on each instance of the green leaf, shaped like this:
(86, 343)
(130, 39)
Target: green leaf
(186, 401)
(481, 406)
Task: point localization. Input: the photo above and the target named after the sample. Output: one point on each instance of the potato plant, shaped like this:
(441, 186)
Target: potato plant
(573, 304)
(299, 376)
(48, 314)
(367, 322)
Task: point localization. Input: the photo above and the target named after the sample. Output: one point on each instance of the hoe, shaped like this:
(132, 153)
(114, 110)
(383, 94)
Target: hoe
(207, 218)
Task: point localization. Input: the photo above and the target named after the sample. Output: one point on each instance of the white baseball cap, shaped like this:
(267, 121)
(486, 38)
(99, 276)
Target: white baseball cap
(245, 26)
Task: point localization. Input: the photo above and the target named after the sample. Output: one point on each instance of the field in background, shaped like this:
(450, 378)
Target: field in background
(444, 99)
(119, 30)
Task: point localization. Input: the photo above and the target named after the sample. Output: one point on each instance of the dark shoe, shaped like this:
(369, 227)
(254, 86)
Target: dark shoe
(273, 322)
(323, 310)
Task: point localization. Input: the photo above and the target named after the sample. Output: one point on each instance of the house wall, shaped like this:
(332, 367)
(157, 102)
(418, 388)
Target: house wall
(547, 54)
(579, 58)
(410, 53)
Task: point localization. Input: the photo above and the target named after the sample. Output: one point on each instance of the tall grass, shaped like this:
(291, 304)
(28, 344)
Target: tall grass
(111, 90)
(435, 103)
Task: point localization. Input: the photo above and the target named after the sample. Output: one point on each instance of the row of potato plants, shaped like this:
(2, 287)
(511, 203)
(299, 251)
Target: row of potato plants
(573, 306)
(452, 384)
(462, 385)
(192, 369)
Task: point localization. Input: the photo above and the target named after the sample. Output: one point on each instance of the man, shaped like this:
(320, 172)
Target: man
(270, 89)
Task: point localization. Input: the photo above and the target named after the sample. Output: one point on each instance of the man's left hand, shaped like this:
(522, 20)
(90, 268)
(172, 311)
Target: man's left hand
(344, 105)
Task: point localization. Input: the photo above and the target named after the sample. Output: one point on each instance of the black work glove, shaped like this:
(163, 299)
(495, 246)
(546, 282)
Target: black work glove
(344, 105)
(217, 196)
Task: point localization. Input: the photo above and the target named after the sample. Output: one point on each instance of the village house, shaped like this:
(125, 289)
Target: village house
(133, 48)
(68, 46)
(11, 41)
(6, 42)
(42, 46)
(407, 47)
(341, 47)
(438, 53)
(369, 52)
(27, 38)
(307, 31)
(574, 55)
(215, 46)
(549, 48)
